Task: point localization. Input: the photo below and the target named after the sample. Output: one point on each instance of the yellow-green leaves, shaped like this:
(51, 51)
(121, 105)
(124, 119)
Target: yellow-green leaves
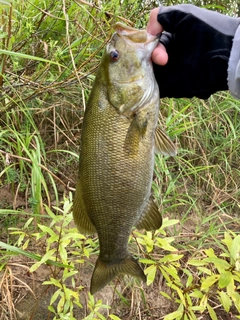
(233, 246)
(151, 273)
(224, 279)
(209, 281)
(220, 276)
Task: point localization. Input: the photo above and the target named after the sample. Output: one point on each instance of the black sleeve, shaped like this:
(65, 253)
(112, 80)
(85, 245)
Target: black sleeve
(198, 42)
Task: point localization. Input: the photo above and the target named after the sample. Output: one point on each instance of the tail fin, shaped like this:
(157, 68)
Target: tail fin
(105, 272)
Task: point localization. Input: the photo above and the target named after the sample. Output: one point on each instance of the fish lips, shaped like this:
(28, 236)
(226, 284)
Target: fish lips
(138, 37)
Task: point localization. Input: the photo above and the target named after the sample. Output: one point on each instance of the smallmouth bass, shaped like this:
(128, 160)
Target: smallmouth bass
(119, 135)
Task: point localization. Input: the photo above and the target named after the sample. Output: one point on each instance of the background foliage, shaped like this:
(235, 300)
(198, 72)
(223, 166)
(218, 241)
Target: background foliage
(49, 53)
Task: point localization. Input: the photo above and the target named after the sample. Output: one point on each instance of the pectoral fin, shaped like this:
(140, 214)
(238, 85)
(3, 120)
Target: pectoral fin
(131, 144)
(151, 218)
(136, 131)
(163, 144)
(80, 215)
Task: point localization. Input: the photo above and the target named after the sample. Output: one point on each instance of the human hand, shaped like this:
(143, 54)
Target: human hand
(199, 44)
(159, 55)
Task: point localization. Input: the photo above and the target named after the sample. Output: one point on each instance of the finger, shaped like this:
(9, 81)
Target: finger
(159, 55)
(154, 26)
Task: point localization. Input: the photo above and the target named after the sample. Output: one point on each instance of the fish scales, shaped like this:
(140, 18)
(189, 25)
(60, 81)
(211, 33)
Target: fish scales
(114, 182)
(117, 154)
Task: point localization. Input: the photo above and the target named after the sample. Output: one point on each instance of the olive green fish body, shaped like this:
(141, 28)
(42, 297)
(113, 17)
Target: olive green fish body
(117, 154)
(115, 174)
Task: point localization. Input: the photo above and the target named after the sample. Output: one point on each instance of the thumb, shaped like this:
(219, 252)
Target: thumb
(159, 55)
(154, 27)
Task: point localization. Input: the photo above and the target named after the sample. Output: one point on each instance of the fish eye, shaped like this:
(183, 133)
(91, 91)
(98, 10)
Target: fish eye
(114, 55)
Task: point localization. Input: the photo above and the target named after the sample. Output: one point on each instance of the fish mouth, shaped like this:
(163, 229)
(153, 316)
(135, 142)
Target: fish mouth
(135, 35)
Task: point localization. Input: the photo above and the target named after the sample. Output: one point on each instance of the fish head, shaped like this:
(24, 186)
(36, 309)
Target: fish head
(127, 62)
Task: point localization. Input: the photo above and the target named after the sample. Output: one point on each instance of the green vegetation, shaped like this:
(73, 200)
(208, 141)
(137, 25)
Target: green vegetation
(49, 52)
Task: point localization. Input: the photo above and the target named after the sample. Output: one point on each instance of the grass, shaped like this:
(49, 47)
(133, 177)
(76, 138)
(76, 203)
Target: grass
(50, 52)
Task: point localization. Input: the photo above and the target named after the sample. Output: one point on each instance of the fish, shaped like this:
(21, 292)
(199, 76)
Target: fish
(119, 134)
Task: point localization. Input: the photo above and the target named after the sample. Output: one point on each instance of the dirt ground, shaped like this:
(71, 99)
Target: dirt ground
(31, 298)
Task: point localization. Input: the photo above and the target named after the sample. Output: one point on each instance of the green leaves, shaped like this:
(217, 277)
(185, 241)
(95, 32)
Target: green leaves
(224, 279)
(218, 278)
(151, 273)
(31, 255)
(208, 282)
(27, 56)
(5, 2)
(174, 315)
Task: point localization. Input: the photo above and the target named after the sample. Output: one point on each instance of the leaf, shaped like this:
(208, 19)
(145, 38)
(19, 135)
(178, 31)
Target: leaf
(225, 279)
(196, 294)
(5, 2)
(27, 56)
(189, 278)
(47, 230)
(227, 240)
(174, 315)
(203, 301)
(100, 316)
(196, 263)
(55, 296)
(210, 253)
(31, 255)
(165, 295)
(231, 288)
(179, 292)
(51, 309)
(218, 263)
(212, 312)
(164, 244)
(55, 282)
(225, 300)
(151, 273)
(205, 270)
(48, 254)
(168, 223)
(209, 281)
(171, 257)
(197, 308)
(147, 261)
(236, 275)
(112, 316)
(236, 299)
(171, 270)
(235, 248)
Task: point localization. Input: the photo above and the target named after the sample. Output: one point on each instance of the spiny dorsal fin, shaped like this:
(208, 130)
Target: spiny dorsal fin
(163, 144)
(151, 218)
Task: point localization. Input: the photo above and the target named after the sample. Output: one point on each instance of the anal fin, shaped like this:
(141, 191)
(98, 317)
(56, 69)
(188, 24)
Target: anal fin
(151, 218)
(80, 215)
(163, 144)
